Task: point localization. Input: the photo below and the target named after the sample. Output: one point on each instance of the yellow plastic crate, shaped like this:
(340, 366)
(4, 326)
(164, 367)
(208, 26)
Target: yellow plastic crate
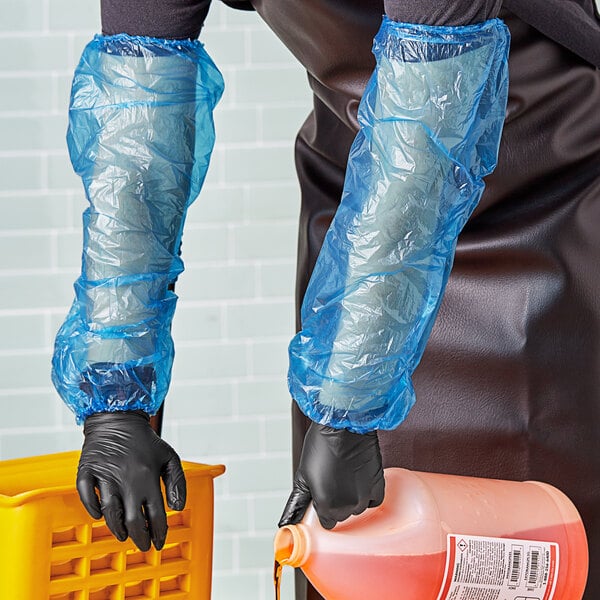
(53, 550)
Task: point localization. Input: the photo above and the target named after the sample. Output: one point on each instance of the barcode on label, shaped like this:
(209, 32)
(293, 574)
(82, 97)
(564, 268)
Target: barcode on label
(534, 566)
(515, 569)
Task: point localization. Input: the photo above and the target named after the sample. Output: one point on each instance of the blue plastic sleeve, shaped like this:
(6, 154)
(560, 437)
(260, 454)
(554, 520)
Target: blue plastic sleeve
(430, 124)
(140, 137)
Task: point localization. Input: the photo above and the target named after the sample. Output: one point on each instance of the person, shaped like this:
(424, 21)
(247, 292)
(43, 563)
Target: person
(507, 386)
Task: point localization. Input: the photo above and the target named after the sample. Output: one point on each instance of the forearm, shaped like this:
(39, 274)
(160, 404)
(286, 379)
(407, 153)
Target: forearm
(164, 19)
(140, 136)
(430, 124)
(432, 12)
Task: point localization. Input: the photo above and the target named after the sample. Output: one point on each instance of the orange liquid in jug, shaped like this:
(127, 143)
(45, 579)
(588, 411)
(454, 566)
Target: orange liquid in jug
(348, 577)
(417, 577)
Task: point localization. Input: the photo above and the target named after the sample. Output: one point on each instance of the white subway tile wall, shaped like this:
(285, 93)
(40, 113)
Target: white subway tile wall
(228, 402)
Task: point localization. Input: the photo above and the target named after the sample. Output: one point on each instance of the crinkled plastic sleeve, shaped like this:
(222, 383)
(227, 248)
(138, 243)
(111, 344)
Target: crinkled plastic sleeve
(140, 137)
(430, 124)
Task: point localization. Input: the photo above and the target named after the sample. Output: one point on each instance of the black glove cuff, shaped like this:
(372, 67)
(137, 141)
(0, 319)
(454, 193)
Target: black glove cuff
(111, 418)
(326, 429)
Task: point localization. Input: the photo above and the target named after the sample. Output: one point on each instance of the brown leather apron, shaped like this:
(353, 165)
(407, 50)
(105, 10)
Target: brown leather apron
(509, 386)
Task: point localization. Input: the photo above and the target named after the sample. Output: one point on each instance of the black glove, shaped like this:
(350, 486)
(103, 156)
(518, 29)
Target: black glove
(124, 458)
(340, 471)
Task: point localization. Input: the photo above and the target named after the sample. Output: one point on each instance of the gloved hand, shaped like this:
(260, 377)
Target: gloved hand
(125, 459)
(340, 471)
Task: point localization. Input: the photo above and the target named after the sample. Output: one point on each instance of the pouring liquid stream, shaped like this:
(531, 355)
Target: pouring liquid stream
(277, 570)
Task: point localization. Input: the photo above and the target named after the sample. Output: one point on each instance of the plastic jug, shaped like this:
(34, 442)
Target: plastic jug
(446, 537)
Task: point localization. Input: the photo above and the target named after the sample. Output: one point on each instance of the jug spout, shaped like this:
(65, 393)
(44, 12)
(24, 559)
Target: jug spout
(291, 545)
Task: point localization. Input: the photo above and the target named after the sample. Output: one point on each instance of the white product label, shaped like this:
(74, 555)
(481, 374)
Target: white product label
(488, 568)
